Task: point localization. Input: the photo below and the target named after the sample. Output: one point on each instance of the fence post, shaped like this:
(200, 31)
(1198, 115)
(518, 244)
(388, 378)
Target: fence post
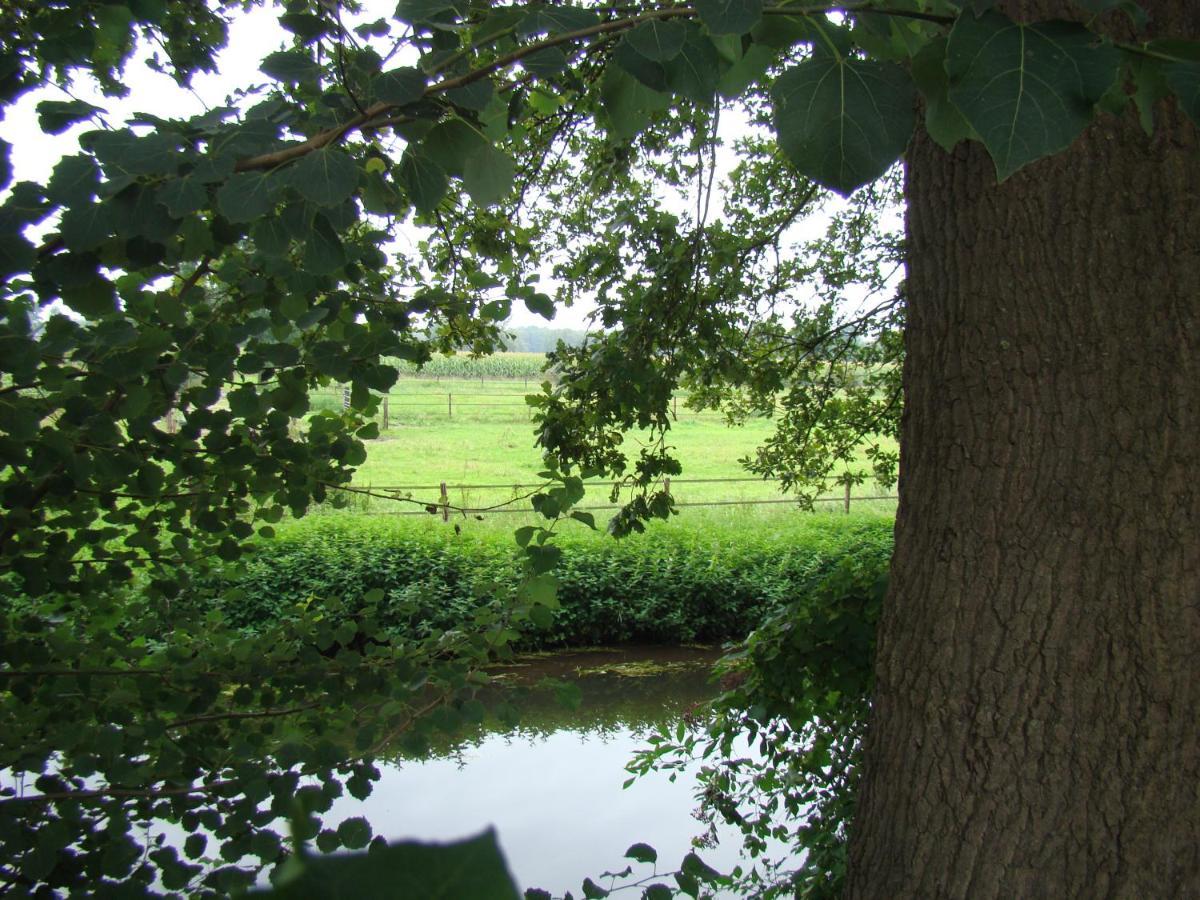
(445, 504)
(450, 406)
(667, 485)
(675, 408)
(385, 412)
(345, 397)
(847, 498)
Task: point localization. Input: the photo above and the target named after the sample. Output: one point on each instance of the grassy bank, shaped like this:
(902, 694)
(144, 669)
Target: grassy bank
(671, 585)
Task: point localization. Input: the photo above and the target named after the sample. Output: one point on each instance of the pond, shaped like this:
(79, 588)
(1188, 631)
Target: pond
(552, 787)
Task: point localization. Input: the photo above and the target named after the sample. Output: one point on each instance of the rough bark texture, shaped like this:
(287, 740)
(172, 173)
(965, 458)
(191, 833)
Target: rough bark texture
(1036, 723)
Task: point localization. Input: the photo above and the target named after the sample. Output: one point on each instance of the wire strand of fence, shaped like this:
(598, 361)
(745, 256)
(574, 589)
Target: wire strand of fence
(599, 482)
(436, 508)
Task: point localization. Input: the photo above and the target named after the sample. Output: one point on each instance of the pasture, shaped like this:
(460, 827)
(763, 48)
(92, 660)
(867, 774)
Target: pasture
(476, 435)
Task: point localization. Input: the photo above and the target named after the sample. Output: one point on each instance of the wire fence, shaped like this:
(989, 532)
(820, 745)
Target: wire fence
(441, 505)
(392, 406)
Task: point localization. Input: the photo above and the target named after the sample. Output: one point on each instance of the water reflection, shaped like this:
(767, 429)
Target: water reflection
(553, 786)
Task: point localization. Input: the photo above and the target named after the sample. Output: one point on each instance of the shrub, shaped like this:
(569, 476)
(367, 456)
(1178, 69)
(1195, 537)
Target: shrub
(669, 586)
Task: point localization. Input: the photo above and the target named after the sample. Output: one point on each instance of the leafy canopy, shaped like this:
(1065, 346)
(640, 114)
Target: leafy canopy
(174, 291)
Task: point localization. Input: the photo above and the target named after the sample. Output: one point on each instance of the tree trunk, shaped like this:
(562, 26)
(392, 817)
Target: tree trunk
(1036, 720)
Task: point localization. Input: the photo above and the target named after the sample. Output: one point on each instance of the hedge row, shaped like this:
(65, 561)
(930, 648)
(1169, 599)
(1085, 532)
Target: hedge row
(669, 586)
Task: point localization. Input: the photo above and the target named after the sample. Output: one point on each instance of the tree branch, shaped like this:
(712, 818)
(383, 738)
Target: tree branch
(100, 793)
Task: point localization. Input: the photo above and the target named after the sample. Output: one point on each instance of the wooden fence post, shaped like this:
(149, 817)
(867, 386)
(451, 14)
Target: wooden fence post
(847, 498)
(450, 406)
(675, 408)
(385, 412)
(346, 397)
(445, 504)
(667, 485)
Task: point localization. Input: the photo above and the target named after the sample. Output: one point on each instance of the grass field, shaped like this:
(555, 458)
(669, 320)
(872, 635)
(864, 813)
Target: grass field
(479, 432)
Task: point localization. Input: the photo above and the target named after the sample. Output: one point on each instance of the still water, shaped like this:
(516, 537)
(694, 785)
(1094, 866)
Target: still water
(552, 787)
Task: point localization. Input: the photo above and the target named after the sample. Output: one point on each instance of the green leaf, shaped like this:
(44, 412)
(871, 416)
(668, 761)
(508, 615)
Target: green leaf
(541, 304)
(452, 143)
(56, 116)
(92, 298)
(400, 86)
(651, 74)
(843, 121)
(291, 66)
(657, 40)
(323, 250)
(643, 853)
(75, 180)
(475, 96)
(1149, 87)
(326, 177)
(943, 121)
(124, 153)
(182, 196)
(545, 63)
(585, 517)
(696, 69)
(556, 20)
(86, 226)
(627, 103)
(729, 16)
(658, 891)
(1027, 90)
(593, 891)
(698, 868)
(248, 195)
(424, 180)
(354, 833)
(542, 558)
(6, 169)
(472, 868)
(1183, 78)
(488, 175)
(271, 236)
(1136, 14)
(418, 11)
(194, 846)
(541, 616)
(305, 26)
(541, 589)
(688, 884)
(746, 71)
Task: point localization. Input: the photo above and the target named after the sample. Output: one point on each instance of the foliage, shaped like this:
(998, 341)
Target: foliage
(473, 867)
(218, 268)
(665, 589)
(797, 693)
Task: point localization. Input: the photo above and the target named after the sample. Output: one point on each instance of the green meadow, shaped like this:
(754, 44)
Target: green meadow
(477, 436)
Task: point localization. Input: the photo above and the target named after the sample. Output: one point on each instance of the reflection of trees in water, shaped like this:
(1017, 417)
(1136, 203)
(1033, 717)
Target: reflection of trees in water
(220, 832)
(620, 692)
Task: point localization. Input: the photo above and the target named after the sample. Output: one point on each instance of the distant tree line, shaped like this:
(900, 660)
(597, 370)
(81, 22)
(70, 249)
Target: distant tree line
(536, 339)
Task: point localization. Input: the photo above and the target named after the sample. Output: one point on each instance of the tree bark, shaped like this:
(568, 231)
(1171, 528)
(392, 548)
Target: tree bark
(1036, 721)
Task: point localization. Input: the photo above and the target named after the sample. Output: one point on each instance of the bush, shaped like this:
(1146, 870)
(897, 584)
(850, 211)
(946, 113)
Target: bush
(668, 586)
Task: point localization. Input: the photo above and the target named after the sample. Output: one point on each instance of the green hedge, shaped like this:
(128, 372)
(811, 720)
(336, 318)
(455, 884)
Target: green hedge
(667, 586)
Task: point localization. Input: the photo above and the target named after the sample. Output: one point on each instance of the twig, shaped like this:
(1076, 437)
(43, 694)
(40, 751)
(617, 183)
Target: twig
(257, 714)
